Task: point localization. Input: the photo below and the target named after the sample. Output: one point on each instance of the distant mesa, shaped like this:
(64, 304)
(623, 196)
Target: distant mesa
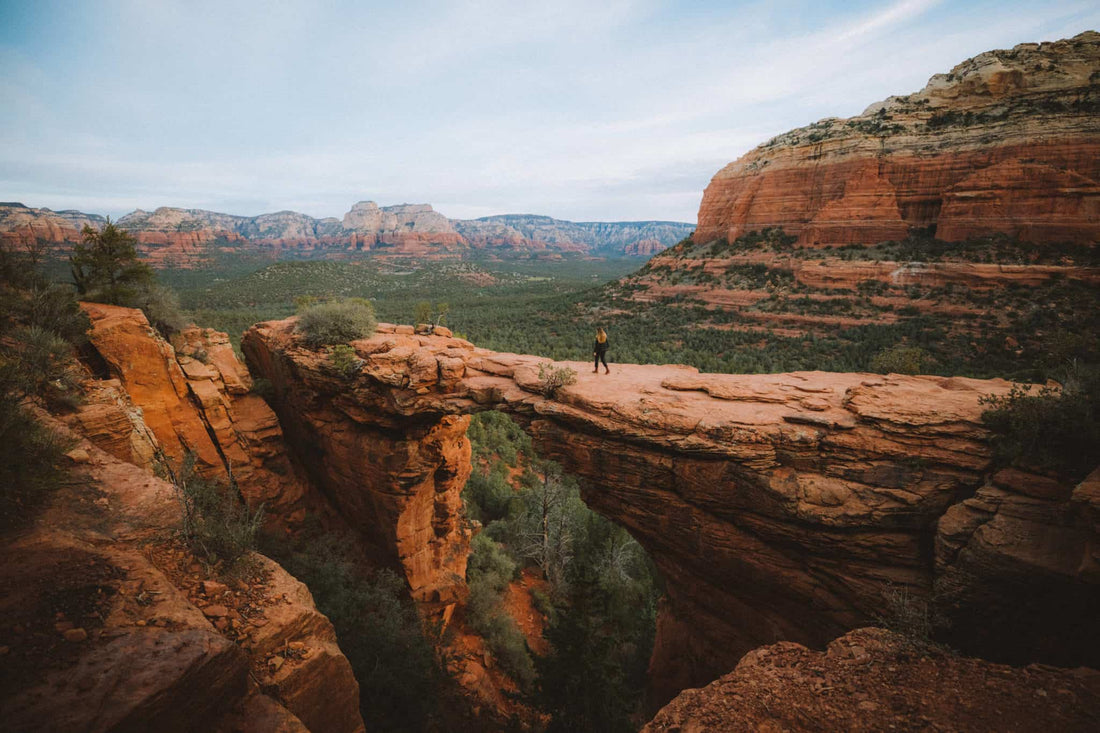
(1007, 142)
(987, 178)
(172, 236)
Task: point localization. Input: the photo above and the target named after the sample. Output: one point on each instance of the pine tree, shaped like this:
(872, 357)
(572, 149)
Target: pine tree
(106, 268)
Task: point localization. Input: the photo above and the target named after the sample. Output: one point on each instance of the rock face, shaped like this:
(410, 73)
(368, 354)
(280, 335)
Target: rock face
(193, 398)
(185, 237)
(396, 478)
(21, 226)
(780, 506)
(106, 628)
(645, 247)
(525, 232)
(873, 680)
(1007, 142)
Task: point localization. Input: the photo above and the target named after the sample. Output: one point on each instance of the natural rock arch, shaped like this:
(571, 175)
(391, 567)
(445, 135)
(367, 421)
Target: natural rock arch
(776, 506)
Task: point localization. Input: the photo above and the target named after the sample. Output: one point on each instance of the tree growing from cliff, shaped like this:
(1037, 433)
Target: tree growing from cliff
(106, 268)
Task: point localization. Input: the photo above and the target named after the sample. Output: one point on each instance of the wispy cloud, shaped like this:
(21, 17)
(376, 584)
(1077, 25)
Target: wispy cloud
(614, 110)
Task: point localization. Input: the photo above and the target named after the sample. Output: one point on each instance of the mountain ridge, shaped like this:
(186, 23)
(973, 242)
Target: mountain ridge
(178, 236)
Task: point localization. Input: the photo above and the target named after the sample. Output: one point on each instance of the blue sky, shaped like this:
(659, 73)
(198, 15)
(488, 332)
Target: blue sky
(612, 110)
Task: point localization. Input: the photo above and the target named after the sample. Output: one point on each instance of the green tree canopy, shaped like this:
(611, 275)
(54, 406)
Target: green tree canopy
(106, 268)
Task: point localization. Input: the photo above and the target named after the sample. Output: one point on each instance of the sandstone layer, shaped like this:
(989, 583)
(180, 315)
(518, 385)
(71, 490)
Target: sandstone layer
(778, 507)
(192, 399)
(1007, 142)
(874, 680)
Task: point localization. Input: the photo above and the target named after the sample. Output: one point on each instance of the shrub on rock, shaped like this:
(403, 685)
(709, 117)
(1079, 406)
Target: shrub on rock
(336, 322)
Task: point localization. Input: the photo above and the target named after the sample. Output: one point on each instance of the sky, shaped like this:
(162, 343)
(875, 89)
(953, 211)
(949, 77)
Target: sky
(586, 110)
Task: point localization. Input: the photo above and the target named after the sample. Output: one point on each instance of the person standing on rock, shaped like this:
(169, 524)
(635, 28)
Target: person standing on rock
(599, 350)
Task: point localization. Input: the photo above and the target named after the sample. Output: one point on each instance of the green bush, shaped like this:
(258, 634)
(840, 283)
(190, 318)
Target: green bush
(490, 564)
(305, 302)
(497, 437)
(54, 307)
(552, 378)
(1049, 429)
(30, 457)
(423, 312)
(161, 307)
(336, 322)
(344, 360)
(46, 366)
(900, 359)
(486, 614)
(488, 574)
(39, 324)
(488, 496)
(216, 521)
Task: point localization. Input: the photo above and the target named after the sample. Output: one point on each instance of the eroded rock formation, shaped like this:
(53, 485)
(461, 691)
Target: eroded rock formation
(194, 398)
(395, 476)
(111, 624)
(1007, 142)
(874, 680)
(778, 507)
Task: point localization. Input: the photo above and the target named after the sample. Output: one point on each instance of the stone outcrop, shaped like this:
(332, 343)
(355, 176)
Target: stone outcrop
(1007, 142)
(109, 624)
(874, 680)
(782, 506)
(645, 248)
(395, 478)
(194, 399)
(173, 237)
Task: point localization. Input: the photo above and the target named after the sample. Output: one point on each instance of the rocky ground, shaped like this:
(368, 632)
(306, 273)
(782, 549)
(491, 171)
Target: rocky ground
(875, 680)
(110, 622)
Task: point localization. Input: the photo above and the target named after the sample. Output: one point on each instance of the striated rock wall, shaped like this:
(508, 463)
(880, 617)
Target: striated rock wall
(193, 398)
(396, 478)
(778, 507)
(1007, 142)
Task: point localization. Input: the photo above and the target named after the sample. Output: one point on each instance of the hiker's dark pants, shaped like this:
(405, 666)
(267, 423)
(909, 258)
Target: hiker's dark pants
(601, 356)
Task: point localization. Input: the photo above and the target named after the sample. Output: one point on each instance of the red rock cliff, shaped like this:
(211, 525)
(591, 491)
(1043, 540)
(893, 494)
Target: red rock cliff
(112, 622)
(776, 506)
(1008, 142)
(194, 398)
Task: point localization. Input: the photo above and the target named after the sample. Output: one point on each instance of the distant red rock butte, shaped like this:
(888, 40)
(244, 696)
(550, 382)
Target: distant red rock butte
(180, 237)
(1007, 142)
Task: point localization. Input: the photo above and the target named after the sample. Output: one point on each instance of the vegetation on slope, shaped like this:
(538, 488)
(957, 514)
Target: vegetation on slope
(40, 326)
(105, 268)
(551, 308)
(601, 607)
(401, 682)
